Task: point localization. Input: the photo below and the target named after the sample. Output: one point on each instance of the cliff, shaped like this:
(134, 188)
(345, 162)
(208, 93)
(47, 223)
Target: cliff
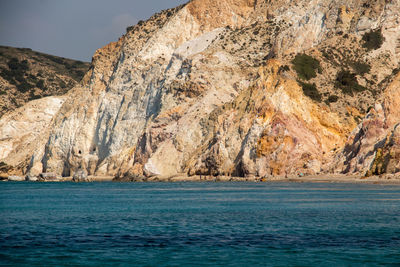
(243, 88)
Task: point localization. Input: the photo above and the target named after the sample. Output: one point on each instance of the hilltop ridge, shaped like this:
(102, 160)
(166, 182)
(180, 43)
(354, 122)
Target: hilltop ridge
(27, 75)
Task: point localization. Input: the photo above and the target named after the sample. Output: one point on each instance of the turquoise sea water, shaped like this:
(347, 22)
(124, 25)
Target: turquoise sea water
(199, 224)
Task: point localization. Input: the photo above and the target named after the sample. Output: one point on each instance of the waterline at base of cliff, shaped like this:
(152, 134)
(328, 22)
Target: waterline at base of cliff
(326, 178)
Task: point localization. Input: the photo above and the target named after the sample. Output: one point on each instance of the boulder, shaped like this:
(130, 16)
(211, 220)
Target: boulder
(48, 176)
(31, 178)
(15, 178)
(81, 176)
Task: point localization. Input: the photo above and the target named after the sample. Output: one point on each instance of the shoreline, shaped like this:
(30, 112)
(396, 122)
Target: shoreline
(332, 178)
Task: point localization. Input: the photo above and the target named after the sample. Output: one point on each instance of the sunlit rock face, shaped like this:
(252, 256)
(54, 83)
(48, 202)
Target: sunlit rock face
(24, 132)
(211, 88)
(374, 146)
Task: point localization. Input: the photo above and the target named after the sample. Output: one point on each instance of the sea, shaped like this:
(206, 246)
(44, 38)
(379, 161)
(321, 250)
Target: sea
(199, 224)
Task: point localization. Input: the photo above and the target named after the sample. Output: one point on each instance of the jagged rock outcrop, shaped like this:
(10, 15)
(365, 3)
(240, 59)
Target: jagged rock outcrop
(374, 144)
(48, 177)
(244, 88)
(81, 176)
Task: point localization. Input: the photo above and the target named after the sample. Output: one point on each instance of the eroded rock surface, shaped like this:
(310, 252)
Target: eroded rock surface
(25, 132)
(373, 147)
(226, 88)
(81, 176)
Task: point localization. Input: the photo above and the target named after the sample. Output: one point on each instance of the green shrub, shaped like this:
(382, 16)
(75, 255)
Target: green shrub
(32, 77)
(24, 87)
(130, 28)
(32, 96)
(347, 82)
(62, 85)
(373, 39)
(305, 66)
(55, 59)
(18, 76)
(40, 84)
(15, 65)
(333, 98)
(283, 68)
(7, 75)
(79, 73)
(311, 91)
(16, 71)
(360, 67)
(325, 54)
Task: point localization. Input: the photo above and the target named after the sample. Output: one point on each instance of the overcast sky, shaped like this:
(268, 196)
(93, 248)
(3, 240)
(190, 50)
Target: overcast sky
(72, 28)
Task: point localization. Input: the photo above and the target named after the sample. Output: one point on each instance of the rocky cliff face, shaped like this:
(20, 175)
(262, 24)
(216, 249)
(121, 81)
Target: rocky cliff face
(25, 131)
(374, 144)
(244, 88)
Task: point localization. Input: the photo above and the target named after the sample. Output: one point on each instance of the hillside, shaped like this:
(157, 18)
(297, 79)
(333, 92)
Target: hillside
(229, 88)
(26, 75)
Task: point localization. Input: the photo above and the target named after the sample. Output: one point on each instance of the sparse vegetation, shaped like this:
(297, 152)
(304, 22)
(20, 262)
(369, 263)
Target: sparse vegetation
(373, 39)
(40, 84)
(332, 99)
(311, 91)
(24, 87)
(16, 71)
(32, 96)
(347, 82)
(130, 28)
(306, 66)
(360, 68)
(62, 84)
(27, 74)
(79, 73)
(55, 59)
(15, 65)
(325, 54)
(283, 68)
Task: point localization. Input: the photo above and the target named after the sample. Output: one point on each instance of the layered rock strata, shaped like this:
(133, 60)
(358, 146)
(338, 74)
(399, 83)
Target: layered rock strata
(218, 88)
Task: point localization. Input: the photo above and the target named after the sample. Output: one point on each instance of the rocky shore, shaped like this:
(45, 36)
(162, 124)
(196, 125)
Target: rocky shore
(333, 178)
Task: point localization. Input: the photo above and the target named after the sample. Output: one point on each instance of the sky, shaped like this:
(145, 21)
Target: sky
(72, 28)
